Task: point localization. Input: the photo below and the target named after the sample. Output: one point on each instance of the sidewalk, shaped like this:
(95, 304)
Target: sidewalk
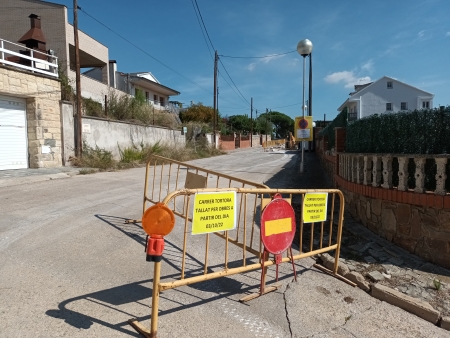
(14, 177)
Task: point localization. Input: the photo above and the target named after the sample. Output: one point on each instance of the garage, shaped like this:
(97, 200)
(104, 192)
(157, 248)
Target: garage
(13, 133)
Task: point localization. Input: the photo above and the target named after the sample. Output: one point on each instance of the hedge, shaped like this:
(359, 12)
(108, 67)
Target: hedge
(415, 132)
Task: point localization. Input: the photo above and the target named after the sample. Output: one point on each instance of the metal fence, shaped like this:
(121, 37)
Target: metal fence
(247, 252)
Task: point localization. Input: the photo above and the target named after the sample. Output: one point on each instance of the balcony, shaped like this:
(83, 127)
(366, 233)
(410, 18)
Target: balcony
(28, 59)
(352, 116)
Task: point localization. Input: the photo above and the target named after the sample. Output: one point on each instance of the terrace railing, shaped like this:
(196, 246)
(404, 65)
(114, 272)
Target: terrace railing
(28, 59)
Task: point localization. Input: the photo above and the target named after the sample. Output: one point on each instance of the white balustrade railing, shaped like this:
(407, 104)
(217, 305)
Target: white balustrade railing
(38, 62)
(377, 170)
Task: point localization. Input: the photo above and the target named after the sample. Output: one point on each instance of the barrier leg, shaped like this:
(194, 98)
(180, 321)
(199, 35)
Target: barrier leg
(152, 333)
(155, 300)
(293, 265)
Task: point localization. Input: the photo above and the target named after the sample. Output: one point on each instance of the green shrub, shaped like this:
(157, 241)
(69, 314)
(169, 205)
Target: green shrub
(94, 158)
(416, 132)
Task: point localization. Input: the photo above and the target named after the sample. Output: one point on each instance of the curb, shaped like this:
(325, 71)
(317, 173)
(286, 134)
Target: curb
(415, 306)
(13, 181)
(407, 303)
(445, 323)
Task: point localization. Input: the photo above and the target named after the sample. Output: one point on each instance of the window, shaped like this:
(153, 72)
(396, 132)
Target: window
(426, 104)
(155, 98)
(389, 85)
(388, 106)
(161, 101)
(404, 106)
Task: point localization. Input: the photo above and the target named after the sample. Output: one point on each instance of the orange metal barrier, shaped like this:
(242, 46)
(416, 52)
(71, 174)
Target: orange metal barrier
(246, 237)
(164, 175)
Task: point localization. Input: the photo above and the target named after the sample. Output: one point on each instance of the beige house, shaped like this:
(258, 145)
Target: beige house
(99, 74)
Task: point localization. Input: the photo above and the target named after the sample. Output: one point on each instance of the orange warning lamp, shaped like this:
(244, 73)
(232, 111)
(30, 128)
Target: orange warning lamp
(158, 221)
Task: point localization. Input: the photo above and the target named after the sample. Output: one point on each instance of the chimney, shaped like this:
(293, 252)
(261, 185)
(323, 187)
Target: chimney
(35, 21)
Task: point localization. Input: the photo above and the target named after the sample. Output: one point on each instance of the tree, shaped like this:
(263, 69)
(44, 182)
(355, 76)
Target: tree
(240, 123)
(283, 124)
(197, 113)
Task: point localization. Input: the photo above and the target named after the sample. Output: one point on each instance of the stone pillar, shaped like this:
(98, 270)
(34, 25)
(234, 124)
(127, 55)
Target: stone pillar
(387, 172)
(367, 170)
(403, 173)
(420, 174)
(440, 176)
(359, 169)
(376, 171)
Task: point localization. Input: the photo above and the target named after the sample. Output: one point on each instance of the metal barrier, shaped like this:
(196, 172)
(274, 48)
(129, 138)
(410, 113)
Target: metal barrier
(246, 236)
(273, 143)
(164, 175)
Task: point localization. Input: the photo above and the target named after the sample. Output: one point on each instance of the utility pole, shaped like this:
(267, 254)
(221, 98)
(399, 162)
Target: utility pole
(216, 58)
(311, 144)
(266, 125)
(251, 122)
(77, 124)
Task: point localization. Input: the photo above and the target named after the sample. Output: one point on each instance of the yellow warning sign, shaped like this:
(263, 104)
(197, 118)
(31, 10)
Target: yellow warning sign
(214, 212)
(315, 207)
(304, 128)
(278, 226)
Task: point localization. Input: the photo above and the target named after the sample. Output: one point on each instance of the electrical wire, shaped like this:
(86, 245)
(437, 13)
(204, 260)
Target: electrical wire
(200, 13)
(256, 57)
(223, 66)
(203, 33)
(143, 51)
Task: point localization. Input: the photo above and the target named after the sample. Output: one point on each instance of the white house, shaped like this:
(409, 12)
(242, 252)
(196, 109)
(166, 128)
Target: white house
(386, 95)
(145, 82)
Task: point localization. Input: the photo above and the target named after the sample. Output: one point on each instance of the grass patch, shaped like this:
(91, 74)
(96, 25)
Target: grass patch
(94, 158)
(87, 171)
(138, 155)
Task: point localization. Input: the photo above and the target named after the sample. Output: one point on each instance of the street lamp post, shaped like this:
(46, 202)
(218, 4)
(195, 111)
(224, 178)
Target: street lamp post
(304, 48)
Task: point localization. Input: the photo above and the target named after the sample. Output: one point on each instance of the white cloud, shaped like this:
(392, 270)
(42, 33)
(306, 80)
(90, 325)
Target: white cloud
(421, 34)
(368, 66)
(347, 77)
(447, 34)
(251, 67)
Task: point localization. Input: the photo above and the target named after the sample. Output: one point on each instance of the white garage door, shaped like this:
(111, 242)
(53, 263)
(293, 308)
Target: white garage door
(13, 133)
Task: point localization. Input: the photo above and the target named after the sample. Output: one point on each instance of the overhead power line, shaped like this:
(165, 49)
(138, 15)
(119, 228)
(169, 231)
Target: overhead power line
(145, 52)
(207, 34)
(256, 57)
(203, 33)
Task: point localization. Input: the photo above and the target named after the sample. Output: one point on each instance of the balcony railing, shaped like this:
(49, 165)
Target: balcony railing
(352, 116)
(418, 172)
(28, 59)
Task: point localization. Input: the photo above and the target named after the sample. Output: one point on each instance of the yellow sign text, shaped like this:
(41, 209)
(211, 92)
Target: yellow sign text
(214, 212)
(315, 207)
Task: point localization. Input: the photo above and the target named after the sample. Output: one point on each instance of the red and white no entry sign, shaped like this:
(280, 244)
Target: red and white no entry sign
(277, 225)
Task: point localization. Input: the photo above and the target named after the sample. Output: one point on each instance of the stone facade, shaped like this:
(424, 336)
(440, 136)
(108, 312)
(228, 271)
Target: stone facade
(42, 95)
(422, 230)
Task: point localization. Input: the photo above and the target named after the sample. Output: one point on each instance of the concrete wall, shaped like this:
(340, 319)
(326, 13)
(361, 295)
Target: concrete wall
(42, 95)
(109, 135)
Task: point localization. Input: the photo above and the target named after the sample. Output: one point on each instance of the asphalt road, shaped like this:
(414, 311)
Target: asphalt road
(69, 266)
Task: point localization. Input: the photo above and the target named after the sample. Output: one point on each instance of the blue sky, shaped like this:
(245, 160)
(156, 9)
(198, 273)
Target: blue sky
(354, 42)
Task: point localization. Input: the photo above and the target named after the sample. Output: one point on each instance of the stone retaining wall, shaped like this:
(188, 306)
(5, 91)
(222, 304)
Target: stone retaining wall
(422, 230)
(42, 95)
